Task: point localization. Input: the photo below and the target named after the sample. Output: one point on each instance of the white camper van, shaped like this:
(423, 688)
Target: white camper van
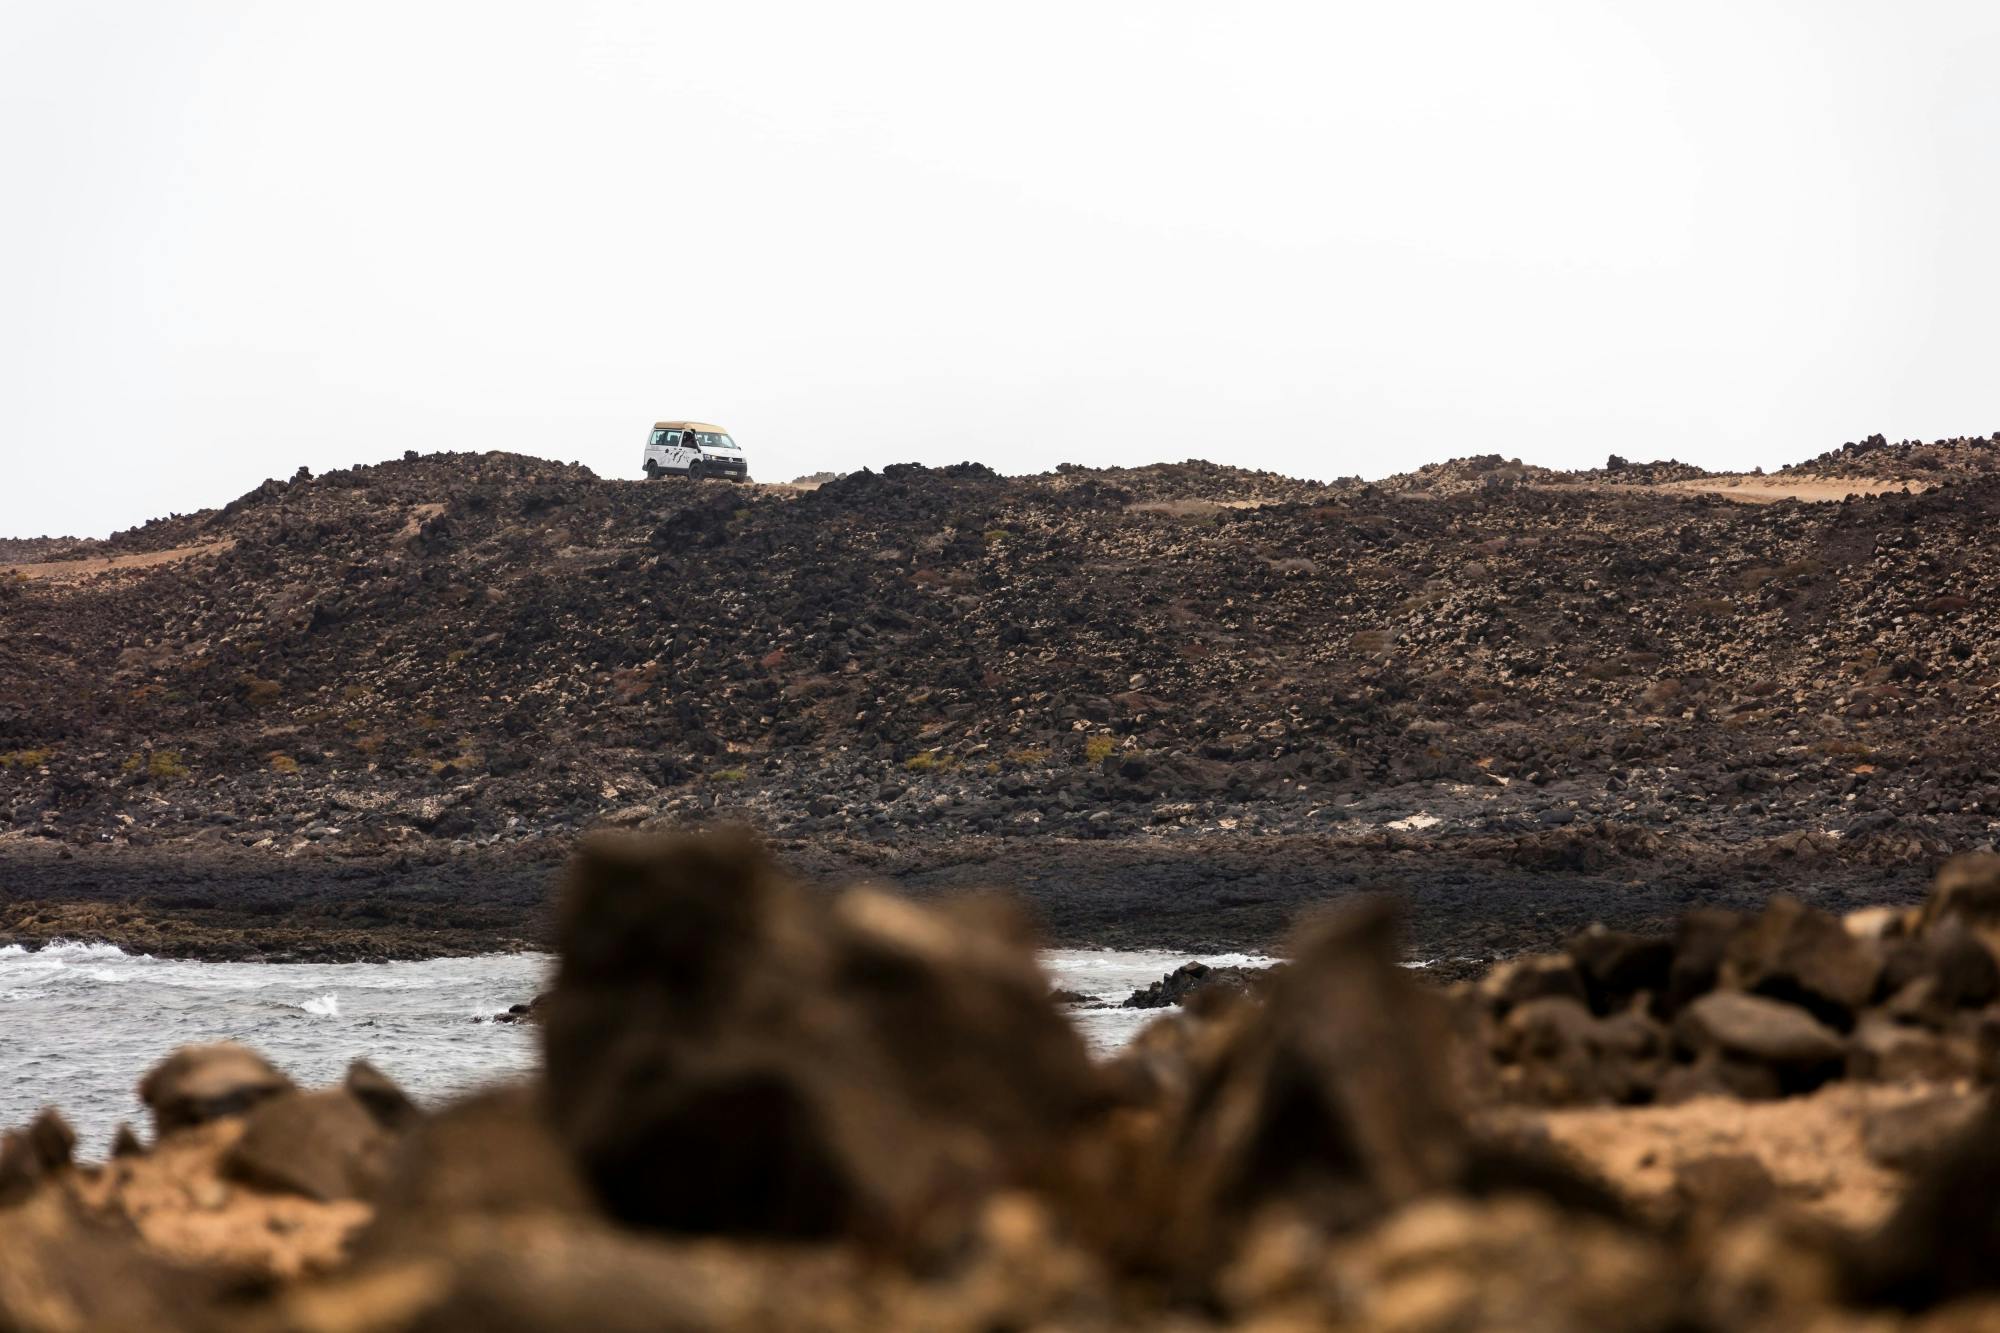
(693, 449)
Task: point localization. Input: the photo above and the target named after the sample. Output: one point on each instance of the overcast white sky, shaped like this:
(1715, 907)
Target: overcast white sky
(1323, 238)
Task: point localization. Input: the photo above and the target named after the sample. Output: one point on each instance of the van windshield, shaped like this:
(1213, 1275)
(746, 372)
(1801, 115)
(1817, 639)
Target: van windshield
(708, 441)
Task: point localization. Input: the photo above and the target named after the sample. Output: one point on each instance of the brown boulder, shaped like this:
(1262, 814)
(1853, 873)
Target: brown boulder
(324, 1145)
(1908, 1135)
(1804, 957)
(384, 1099)
(1717, 1073)
(197, 1084)
(490, 1154)
(1616, 965)
(1712, 1189)
(29, 1156)
(1967, 888)
(1701, 942)
(1530, 977)
(1943, 1241)
(1797, 1050)
(1554, 1051)
(1891, 1052)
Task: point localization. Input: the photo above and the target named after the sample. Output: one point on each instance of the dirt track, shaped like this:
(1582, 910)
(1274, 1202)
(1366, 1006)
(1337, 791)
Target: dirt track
(63, 571)
(1753, 489)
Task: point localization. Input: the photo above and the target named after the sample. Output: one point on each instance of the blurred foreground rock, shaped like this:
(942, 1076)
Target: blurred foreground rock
(769, 1108)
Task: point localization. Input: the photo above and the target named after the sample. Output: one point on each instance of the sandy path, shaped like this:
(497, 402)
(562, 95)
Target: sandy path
(65, 570)
(1752, 489)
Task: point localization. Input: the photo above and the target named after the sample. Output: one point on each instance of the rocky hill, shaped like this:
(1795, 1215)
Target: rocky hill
(457, 652)
(1939, 461)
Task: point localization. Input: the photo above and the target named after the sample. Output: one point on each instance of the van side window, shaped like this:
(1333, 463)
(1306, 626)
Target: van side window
(658, 437)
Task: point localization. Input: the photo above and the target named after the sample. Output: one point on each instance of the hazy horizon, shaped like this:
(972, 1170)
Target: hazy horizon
(1325, 241)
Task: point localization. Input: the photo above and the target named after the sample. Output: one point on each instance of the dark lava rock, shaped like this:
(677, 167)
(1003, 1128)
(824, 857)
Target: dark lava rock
(729, 1053)
(1187, 980)
(530, 1012)
(1615, 965)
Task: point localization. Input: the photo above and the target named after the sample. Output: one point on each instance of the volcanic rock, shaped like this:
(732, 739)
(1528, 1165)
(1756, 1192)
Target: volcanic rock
(1967, 890)
(1798, 1050)
(1909, 1136)
(1944, 1240)
(727, 1053)
(1517, 981)
(28, 1156)
(383, 1099)
(1335, 1097)
(1804, 957)
(1192, 978)
(324, 1145)
(197, 1084)
(1616, 965)
(1556, 1052)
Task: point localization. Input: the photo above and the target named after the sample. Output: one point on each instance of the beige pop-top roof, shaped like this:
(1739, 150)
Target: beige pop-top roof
(699, 426)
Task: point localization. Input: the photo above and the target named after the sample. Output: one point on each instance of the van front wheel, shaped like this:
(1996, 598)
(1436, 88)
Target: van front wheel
(694, 472)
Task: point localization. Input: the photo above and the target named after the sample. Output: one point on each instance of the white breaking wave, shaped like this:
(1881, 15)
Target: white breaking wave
(1108, 976)
(60, 950)
(84, 1022)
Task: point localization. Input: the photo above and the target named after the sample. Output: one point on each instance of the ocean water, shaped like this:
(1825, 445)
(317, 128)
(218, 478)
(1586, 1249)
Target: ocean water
(80, 1023)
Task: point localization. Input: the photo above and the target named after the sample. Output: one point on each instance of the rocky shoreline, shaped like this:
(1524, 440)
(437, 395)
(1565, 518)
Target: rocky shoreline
(763, 1106)
(1466, 903)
